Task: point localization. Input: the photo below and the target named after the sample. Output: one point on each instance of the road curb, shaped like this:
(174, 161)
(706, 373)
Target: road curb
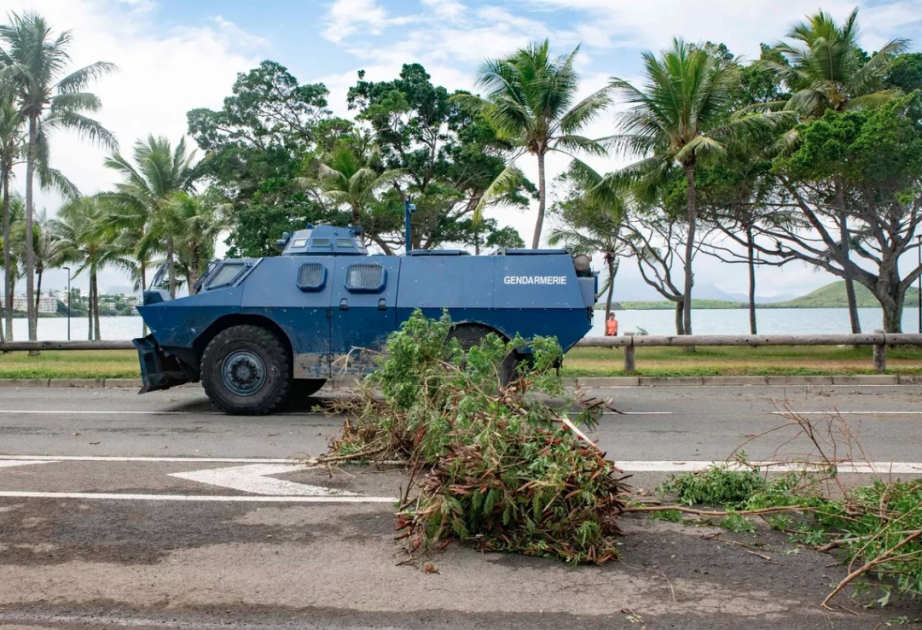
(582, 381)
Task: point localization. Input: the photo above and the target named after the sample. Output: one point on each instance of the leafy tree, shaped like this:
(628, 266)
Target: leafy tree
(255, 148)
(825, 69)
(877, 155)
(144, 199)
(905, 72)
(447, 156)
(530, 102)
(33, 65)
(196, 220)
(85, 229)
(680, 114)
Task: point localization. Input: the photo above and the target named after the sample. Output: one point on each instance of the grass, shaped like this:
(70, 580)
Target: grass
(721, 361)
(71, 364)
(741, 361)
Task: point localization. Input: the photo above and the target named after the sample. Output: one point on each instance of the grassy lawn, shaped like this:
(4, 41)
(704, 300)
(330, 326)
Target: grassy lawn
(729, 361)
(71, 364)
(740, 361)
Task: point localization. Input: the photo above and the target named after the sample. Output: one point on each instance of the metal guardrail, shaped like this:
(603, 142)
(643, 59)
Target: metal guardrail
(629, 342)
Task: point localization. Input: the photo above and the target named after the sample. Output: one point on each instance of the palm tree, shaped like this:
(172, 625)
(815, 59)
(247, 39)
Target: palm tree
(33, 64)
(86, 232)
(591, 219)
(144, 199)
(347, 179)
(825, 69)
(530, 101)
(11, 143)
(198, 220)
(680, 114)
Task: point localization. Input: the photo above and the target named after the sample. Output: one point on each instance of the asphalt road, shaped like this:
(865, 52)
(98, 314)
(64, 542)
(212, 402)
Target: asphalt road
(157, 512)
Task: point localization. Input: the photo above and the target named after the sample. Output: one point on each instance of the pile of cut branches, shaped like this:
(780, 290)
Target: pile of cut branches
(491, 464)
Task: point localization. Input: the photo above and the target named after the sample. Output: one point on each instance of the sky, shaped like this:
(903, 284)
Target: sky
(176, 55)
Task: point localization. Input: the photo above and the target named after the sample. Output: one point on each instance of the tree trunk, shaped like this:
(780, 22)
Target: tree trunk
(96, 305)
(143, 265)
(194, 269)
(539, 224)
(38, 294)
(753, 328)
(679, 317)
(892, 307)
(845, 244)
(8, 284)
(89, 311)
(610, 261)
(171, 266)
(30, 253)
(692, 201)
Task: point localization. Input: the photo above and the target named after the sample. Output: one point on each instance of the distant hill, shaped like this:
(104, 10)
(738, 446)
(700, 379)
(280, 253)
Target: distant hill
(833, 296)
(830, 296)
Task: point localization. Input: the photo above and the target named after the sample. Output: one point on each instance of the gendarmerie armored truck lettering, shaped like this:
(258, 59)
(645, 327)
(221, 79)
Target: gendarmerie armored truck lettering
(256, 331)
(535, 280)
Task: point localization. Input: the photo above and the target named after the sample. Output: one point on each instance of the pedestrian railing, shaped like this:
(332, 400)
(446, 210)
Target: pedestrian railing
(629, 342)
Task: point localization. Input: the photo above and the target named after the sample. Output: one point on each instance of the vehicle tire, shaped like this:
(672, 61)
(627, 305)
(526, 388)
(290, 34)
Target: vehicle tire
(469, 335)
(302, 389)
(246, 370)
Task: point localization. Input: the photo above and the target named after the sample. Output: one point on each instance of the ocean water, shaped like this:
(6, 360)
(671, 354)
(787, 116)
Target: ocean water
(704, 322)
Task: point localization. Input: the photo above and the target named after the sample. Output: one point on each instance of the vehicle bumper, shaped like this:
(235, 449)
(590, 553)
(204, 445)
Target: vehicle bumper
(159, 368)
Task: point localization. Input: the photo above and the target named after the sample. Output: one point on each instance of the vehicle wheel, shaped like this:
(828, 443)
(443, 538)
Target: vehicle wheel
(305, 388)
(246, 370)
(469, 335)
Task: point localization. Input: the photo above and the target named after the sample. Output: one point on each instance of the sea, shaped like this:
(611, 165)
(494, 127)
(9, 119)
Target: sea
(800, 321)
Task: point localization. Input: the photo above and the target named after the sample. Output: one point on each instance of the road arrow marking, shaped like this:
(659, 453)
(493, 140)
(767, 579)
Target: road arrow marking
(254, 479)
(6, 463)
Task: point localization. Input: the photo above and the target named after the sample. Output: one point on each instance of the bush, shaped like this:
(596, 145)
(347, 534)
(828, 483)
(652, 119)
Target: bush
(492, 465)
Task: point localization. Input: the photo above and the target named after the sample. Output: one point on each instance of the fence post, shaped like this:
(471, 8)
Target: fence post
(880, 354)
(630, 364)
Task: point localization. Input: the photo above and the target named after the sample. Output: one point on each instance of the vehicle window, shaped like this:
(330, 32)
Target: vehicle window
(365, 277)
(344, 242)
(312, 277)
(225, 275)
(299, 242)
(320, 242)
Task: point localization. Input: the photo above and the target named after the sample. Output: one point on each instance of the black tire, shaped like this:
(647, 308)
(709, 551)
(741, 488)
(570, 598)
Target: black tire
(246, 370)
(469, 335)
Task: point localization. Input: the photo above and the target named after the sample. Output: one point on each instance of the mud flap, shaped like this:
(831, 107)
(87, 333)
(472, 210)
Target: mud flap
(159, 370)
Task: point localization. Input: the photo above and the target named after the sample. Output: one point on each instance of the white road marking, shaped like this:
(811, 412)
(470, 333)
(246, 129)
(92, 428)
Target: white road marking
(694, 466)
(203, 460)
(253, 478)
(847, 413)
(192, 497)
(105, 412)
(6, 463)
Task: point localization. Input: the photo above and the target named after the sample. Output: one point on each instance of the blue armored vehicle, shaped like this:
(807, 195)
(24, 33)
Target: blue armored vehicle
(256, 330)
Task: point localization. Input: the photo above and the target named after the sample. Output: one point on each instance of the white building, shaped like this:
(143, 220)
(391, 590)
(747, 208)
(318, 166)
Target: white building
(46, 304)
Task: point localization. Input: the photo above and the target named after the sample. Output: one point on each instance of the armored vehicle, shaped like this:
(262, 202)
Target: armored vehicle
(256, 330)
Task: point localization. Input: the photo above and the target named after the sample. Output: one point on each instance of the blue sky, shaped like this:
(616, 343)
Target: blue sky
(178, 54)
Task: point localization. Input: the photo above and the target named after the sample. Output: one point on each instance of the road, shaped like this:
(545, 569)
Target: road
(157, 512)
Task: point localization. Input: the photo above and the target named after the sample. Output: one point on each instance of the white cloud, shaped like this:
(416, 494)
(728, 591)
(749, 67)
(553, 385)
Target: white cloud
(161, 77)
(348, 17)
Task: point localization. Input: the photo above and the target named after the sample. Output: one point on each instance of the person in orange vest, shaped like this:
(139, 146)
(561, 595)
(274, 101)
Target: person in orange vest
(611, 326)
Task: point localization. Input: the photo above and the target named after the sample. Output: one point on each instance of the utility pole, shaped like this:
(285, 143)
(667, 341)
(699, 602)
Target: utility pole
(68, 301)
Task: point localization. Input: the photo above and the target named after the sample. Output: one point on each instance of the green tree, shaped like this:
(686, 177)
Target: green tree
(531, 102)
(255, 148)
(86, 230)
(33, 65)
(681, 113)
(144, 199)
(825, 69)
(12, 138)
(196, 220)
(877, 155)
(448, 156)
